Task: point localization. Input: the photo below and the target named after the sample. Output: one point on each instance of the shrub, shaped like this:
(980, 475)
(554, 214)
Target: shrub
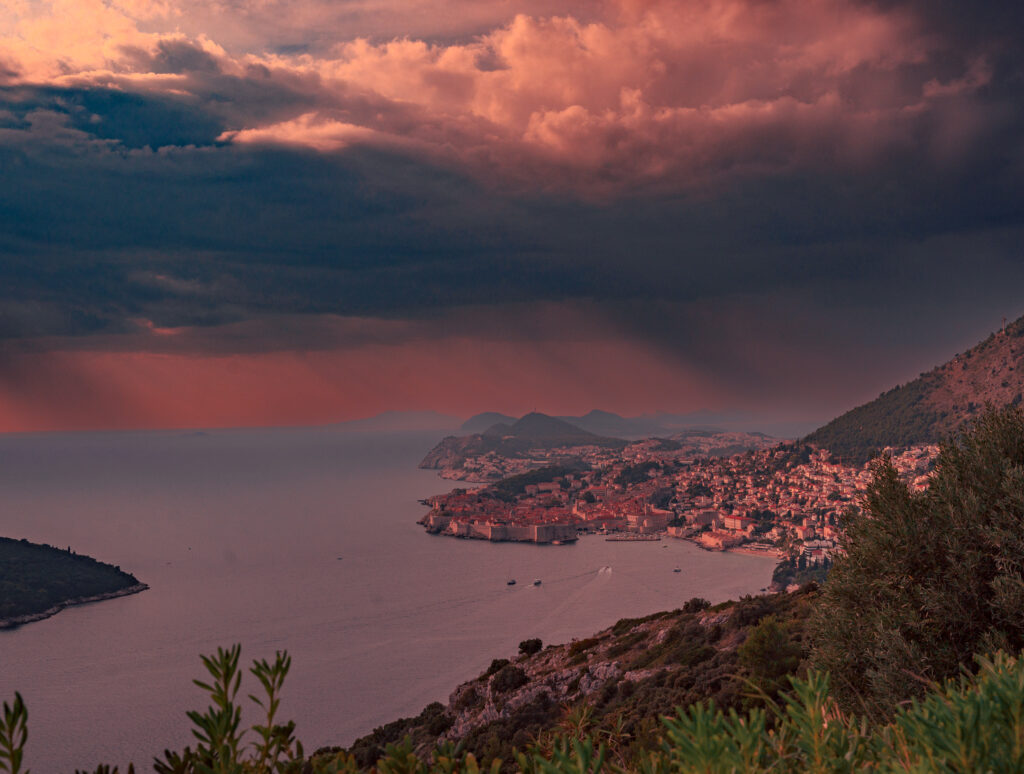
(508, 678)
(769, 655)
(468, 699)
(928, 578)
(496, 666)
(530, 647)
(696, 605)
(580, 647)
(626, 643)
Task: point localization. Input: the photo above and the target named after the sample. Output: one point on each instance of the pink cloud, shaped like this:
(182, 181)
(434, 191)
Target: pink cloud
(596, 98)
(310, 130)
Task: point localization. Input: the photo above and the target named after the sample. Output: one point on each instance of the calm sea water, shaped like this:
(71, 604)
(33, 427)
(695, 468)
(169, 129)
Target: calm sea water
(302, 540)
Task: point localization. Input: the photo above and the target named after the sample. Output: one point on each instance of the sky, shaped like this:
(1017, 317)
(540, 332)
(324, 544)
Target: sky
(272, 212)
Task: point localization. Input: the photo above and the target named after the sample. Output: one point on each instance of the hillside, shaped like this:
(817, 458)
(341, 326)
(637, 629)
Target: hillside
(37, 581)
(541, 427)
(627, 675)
(531, 432)
(935, 404)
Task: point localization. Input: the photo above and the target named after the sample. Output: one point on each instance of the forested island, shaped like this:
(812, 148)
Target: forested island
(38, 580)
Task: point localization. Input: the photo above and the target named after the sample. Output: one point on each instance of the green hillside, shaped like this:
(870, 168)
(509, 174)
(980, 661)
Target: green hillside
(900, 417)
(934, 405)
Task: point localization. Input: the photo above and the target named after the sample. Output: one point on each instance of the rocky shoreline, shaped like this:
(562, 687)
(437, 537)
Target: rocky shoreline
(15, 621)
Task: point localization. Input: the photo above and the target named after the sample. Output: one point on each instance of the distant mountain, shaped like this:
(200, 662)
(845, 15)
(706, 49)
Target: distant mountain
(536, 426)
(607, 423)
(935, 404)
(661, 424)
(480, 422)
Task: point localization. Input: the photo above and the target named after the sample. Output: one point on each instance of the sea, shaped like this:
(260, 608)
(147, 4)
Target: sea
(303, 540)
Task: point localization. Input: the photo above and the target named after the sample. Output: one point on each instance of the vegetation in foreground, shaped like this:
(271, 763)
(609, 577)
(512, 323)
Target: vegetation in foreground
(35, 578)
(972, 724)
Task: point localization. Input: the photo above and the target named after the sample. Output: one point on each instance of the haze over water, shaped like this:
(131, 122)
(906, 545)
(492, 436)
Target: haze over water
(239, 534)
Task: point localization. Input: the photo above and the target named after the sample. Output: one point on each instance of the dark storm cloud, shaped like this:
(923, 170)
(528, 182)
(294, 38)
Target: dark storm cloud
(97, 236)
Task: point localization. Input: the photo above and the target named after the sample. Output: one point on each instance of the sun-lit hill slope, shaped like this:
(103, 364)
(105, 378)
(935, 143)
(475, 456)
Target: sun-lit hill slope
(935, 404)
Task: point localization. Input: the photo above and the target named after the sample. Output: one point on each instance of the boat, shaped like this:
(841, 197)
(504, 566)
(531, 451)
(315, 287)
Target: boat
(536, 582)
(511, 582)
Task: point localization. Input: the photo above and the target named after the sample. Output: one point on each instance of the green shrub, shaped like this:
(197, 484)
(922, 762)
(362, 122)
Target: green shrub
(626, 644)
(496, 666)
(508, 678)
(468, 699)
(580, 647)
(696, 605)
(770, 655)
(530, 647)
(928, 578)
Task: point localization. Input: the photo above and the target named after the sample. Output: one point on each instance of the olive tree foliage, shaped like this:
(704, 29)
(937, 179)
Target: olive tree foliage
(928, 578)
(13, 735)
(770, 656)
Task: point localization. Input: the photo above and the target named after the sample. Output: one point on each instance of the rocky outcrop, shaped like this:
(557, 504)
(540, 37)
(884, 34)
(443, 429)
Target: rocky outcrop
(629, 673)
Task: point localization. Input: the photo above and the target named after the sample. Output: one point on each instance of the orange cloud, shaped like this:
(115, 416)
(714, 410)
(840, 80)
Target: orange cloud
(597, 97)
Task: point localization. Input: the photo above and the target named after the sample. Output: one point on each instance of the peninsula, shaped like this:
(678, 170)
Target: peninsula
(38, 581)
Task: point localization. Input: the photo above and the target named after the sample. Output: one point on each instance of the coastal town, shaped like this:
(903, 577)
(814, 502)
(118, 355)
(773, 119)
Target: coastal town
(785, 501)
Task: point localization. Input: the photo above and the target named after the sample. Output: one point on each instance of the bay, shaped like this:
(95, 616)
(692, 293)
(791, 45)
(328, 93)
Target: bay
(289, 539)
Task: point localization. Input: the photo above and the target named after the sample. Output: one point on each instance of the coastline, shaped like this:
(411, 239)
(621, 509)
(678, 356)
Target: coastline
(19, 620)
(773, 553)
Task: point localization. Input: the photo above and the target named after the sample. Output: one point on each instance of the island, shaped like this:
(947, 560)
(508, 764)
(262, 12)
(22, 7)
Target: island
(38, 581)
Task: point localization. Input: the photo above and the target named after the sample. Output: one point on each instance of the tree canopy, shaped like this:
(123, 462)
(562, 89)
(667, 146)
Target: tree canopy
(928, 578)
